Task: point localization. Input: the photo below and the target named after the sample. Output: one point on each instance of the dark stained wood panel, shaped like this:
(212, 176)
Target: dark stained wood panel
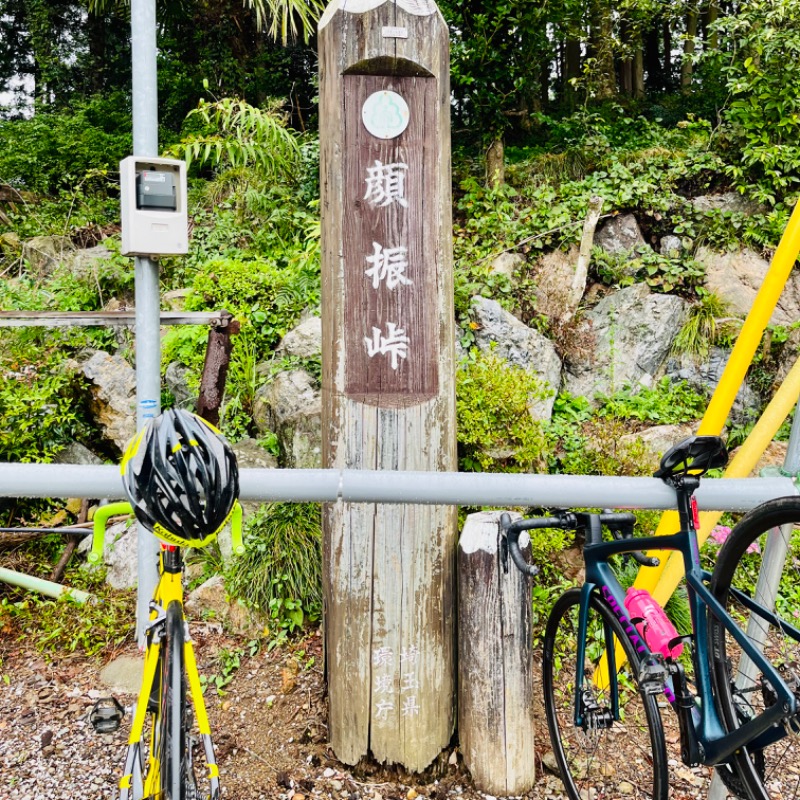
(382, 225)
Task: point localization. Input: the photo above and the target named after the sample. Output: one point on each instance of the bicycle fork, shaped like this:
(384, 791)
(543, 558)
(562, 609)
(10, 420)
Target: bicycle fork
(132, 786)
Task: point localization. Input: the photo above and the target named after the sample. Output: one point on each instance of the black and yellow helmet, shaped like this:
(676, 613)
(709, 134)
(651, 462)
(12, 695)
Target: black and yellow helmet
(181, 478)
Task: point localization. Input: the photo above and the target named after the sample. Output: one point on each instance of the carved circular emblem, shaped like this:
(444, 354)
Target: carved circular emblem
(385, 114)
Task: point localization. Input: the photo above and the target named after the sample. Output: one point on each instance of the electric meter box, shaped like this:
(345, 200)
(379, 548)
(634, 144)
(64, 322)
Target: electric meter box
(153, 207)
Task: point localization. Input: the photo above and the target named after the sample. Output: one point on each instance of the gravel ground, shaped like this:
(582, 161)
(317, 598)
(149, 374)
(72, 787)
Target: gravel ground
(270, 732)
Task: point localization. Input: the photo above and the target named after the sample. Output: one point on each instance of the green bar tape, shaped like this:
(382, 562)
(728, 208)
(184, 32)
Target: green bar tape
(101, 517)
(236, 530)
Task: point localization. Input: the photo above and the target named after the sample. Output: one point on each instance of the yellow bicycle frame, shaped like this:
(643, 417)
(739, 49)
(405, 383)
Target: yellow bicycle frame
(168, 590)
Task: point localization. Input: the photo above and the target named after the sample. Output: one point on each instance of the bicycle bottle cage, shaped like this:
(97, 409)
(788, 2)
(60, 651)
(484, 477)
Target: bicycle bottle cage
(106, 715)
(693, 456)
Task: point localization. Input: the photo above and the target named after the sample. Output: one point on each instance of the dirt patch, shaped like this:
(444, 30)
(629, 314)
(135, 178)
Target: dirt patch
(269, 724)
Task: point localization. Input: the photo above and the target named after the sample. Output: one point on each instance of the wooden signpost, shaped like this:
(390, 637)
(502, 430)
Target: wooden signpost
(388, 375)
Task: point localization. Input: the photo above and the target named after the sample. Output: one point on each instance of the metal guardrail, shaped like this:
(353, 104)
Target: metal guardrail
(109, 319)
(439, 488)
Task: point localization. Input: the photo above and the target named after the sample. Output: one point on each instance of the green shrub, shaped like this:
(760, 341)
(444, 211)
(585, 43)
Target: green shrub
(52, 151)
(496, 432)
(66, 626)
(280, 573)
(258, 293)
(38, 411)
(762, 123)
(666, 403)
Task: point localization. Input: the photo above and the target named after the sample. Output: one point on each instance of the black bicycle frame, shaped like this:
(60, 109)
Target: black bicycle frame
(712, 744)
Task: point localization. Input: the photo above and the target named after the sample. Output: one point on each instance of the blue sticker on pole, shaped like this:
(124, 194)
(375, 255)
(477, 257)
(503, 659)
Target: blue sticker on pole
(148, 408)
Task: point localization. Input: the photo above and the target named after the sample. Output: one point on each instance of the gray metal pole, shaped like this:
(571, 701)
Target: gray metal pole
(148, 300)
(440, 488)
(769, 577)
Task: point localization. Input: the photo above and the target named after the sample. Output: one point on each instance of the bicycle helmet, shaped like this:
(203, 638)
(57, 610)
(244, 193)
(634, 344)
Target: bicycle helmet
(181, 478)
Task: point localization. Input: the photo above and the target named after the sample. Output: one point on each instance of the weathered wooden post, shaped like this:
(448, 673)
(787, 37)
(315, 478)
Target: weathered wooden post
(495, 662)
(388, 374)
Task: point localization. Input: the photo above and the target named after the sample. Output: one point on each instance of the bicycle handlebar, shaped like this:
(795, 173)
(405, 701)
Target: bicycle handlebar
(102, 515)
(617, 523)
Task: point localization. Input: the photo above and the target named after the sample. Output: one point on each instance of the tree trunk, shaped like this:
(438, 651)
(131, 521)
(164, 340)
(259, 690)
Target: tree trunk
(667, 34)
(711, 36)
(603, 46)
(578, 286)
(688, 50)
(572, 68)
(625, 63)
(495, 164)
(638, 72)
(652, 60)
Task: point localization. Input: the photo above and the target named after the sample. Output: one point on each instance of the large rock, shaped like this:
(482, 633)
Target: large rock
(736, 277)
(788, 357)
(211, 601)
(660, 438)
(703, 377)
(44, 253)
(84, 263)
(76, 453)
(304, 341)
(291, 407)
(508, 264)
(632, 332)
(553, 275)
(176, 376)
(120, 555)
(113, 388)
(727, 201)
(621, 236)
(249, 454)
(504, 335)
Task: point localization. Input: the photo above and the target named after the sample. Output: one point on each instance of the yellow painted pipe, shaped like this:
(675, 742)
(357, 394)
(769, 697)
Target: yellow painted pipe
(740, 466)
(738, 363)
(660, 583)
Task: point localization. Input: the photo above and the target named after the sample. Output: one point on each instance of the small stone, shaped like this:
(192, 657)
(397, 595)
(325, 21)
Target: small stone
(412, 794)
(337, 785)
(298, 796)
(329, 773)
(288, 681)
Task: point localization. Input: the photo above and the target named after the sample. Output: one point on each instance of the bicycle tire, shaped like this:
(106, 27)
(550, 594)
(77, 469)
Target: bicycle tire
(771, 772)
(585, 771)
(173, 714)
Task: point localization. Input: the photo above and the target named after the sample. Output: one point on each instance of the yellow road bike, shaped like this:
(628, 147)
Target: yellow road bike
(167, 731)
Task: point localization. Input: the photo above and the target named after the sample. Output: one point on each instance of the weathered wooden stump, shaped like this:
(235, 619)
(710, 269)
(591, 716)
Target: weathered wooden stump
(495, 662)
(388, 374)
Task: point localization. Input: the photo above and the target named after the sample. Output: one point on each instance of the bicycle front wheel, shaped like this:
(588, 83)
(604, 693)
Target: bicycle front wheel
(173, 716)
(602, 757)
(759, 564)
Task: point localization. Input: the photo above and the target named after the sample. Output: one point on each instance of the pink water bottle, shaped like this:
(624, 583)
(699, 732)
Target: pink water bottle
(653, 624)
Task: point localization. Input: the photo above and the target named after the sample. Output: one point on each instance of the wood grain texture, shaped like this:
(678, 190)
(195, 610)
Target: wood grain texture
(495, 663)
(389, 570)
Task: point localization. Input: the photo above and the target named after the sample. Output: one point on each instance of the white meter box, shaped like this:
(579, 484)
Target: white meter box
(153, 207)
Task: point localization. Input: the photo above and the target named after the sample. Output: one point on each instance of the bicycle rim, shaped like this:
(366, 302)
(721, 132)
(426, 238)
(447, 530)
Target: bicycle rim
(740, 689)
(601, 759)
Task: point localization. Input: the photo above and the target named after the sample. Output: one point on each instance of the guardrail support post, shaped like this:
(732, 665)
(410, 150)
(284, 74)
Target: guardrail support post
(495, 662)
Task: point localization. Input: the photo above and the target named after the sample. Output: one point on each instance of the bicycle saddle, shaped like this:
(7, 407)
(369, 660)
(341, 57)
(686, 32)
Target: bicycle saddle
(695, 455)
